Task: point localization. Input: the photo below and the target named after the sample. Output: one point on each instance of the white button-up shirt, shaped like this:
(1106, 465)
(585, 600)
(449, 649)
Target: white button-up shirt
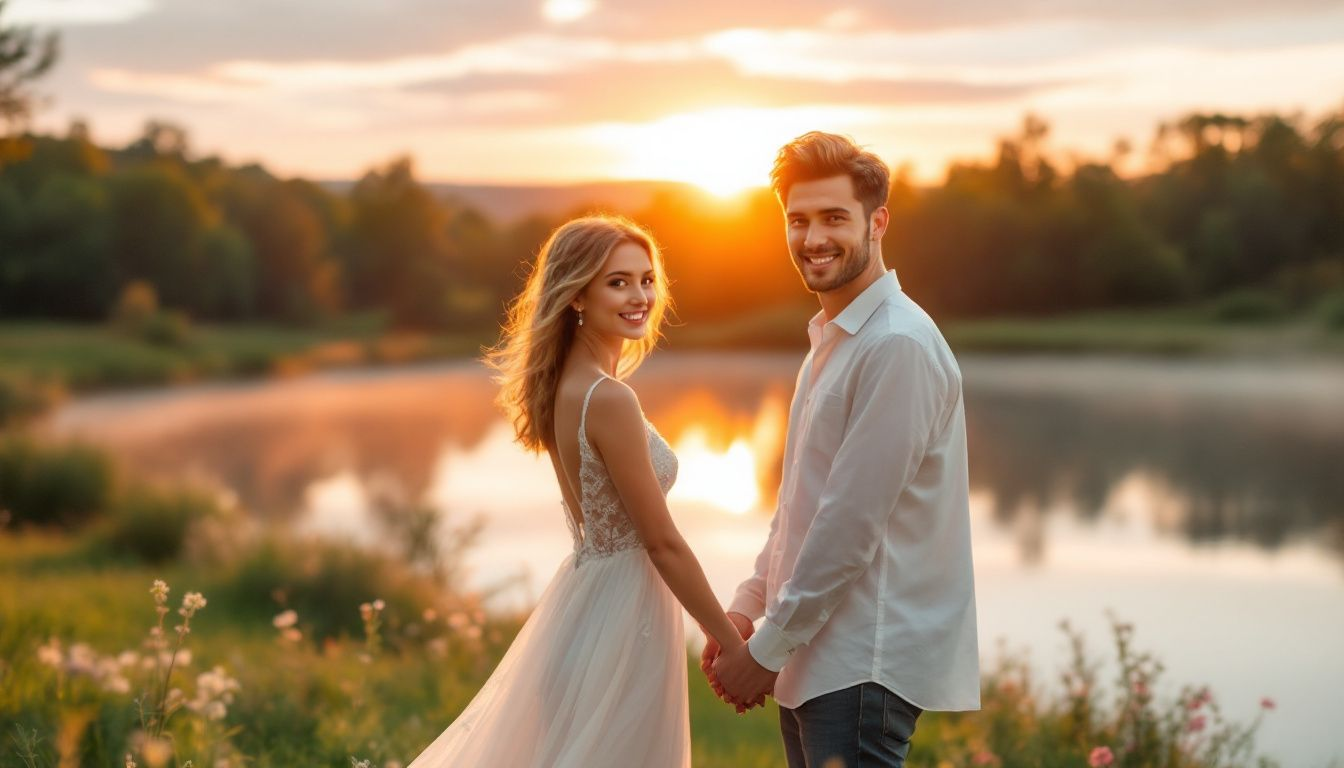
(866, 575)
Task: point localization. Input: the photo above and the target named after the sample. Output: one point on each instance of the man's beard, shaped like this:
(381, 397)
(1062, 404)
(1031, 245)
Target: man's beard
(852, 263)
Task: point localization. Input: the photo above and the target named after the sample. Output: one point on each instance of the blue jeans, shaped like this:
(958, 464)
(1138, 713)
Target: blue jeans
(866, 726)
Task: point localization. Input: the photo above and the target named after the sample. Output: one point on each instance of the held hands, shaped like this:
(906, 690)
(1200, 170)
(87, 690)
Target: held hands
(745, 687)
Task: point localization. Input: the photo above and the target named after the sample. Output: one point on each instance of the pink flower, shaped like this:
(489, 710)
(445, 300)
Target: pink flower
(984, 757)
(1100, 757)
(1196, 724)
(1267, 703)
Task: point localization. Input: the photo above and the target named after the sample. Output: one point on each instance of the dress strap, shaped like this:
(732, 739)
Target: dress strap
(583, 414)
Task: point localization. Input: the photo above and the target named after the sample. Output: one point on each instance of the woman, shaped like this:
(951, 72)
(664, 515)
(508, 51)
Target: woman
(597, 675)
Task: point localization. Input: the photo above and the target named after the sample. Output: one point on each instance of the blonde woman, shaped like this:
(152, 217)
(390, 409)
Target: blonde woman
(597, 675)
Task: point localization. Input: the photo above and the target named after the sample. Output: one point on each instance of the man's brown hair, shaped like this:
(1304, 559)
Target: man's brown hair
(816, 155)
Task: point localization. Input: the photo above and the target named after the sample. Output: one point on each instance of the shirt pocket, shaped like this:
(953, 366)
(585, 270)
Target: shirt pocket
(828, 413)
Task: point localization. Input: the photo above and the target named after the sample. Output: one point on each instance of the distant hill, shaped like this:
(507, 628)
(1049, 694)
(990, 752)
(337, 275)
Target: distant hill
(511, 203)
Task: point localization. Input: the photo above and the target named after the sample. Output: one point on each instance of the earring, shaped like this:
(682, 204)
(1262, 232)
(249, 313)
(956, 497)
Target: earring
(580, 311)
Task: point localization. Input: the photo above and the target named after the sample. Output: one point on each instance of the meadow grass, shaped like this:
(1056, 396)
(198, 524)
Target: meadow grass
(266, 687)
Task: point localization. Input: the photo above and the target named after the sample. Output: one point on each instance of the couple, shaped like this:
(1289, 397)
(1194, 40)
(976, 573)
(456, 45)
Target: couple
(865, 582)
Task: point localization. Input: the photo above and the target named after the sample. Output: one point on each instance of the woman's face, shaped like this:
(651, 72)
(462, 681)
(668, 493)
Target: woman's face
(617, 302)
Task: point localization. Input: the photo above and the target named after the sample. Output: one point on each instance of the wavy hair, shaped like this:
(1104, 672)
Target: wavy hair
(541, 326)
(816, 155)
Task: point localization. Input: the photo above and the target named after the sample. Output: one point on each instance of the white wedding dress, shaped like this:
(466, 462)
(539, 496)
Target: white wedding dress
(597, 676)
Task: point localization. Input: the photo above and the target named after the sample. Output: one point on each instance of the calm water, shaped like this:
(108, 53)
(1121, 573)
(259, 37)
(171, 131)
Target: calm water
(1204, 502)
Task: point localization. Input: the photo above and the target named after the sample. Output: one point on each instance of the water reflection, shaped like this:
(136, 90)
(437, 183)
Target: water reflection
(1211, 454)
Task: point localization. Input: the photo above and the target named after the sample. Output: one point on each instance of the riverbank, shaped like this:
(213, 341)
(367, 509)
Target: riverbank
(43, 363)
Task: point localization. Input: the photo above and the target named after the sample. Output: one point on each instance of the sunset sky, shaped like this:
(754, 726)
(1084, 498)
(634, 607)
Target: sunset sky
(700, 90)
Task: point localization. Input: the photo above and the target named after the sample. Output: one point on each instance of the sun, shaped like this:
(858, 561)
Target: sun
(723, 151)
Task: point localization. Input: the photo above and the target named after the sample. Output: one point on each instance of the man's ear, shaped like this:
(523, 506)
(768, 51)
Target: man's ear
(878, 221)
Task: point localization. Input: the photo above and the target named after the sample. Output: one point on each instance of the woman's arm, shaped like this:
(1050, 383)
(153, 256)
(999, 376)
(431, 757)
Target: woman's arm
(616, 428)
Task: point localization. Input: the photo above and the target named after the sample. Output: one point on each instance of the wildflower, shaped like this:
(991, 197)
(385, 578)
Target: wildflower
(1100, 757)
(50, 654)
(285, 619)
(214, 692)
(191, 603)
(1199, 699)
(1267, 703)
(1196, 724)
(359, 763)
(379, 605)
(160, 591)
(984, 757)
(458, 620)
(130, 762)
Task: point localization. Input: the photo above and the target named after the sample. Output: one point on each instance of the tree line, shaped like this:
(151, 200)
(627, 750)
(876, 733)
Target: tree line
(1237, 203)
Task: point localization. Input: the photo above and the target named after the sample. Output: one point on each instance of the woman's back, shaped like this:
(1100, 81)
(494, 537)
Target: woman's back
(594, 510)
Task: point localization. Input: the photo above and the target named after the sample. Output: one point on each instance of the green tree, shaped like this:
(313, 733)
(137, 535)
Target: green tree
(399, 251)
(25, 56)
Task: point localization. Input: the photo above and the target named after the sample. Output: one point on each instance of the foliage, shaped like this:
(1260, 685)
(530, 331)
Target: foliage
(1226, 203)
(60, 485)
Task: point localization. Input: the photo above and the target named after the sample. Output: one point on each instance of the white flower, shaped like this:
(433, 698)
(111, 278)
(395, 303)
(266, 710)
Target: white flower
(82, 660)
(50, 654)
(378, 605)
(160, 592)
(285, 619)
(191, 603)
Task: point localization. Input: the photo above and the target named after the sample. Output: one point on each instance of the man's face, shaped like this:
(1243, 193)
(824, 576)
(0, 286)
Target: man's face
(828, 232)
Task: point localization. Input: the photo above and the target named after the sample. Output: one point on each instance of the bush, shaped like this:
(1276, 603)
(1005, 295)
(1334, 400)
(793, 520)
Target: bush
(23, 396)
(1249, 306)
(323, 581)
(152, 524)
(137, 313)
(61, 485)
(1331, 311)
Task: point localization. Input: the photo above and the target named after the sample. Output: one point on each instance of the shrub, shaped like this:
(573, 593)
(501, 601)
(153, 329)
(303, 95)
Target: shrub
(1331, 311)
(322, 581)
(23, 396)
(152, 524)
(1249, 306)
(57, 485)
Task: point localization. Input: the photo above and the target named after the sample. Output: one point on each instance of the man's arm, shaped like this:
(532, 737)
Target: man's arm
(899, 402)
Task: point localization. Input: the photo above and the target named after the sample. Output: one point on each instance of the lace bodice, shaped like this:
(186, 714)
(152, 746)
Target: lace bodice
(606, 525)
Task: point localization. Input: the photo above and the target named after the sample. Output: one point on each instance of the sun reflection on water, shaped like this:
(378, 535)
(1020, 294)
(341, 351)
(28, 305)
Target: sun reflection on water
(725, 479)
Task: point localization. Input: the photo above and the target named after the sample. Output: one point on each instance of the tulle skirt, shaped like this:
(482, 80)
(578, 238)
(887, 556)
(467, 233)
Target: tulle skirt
(595, 678)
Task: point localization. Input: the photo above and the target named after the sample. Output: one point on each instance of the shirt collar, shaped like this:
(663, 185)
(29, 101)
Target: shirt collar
(852, 317)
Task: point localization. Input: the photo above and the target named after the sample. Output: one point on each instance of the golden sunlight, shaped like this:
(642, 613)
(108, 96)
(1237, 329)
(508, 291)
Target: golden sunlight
(725, 479)
(723, 151)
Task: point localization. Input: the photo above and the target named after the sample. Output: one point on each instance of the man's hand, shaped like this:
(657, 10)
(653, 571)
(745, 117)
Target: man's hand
(712, 650)
(741, 679)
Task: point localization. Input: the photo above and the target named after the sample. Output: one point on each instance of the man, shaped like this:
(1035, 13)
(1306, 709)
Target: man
(865, 582)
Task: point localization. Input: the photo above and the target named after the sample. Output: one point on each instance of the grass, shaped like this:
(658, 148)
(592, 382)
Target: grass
(383, 693)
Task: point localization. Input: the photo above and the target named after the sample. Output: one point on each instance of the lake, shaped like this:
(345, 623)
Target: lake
(1201, 501)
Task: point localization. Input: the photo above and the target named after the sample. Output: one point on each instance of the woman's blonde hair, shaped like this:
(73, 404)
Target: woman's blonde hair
(541, 325)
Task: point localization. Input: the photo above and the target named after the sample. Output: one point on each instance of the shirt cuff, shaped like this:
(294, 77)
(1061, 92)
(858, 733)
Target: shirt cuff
(770, 647)
(747, 606)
